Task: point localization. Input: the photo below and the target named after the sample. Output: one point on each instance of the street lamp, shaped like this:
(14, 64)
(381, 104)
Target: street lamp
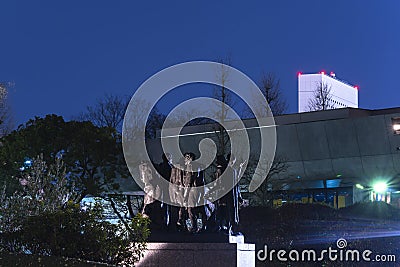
(380, 187)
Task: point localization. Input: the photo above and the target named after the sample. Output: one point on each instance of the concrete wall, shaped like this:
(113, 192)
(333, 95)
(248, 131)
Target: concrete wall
(358, 146)
(198, 254)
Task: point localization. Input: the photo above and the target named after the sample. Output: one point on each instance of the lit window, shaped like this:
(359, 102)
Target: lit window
(396, 125)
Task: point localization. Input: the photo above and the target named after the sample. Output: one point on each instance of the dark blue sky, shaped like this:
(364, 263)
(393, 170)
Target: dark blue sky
(63, 55)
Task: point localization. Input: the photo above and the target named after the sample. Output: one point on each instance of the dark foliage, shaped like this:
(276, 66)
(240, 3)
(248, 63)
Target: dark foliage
(92, 155)
(372, 210)
(79, 234)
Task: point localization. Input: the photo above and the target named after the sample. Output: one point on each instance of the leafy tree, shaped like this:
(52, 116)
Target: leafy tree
(154, 123)
(92, 237)
(74, 233)
(40, 136)
(39, 219)
(109, 112)
(43, 189)
(92, 155)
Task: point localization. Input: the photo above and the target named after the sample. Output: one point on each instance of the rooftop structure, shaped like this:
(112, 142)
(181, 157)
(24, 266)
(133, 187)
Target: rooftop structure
(342, 94)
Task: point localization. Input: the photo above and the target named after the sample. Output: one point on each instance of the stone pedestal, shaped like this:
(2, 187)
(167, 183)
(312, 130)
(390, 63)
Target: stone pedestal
(198, 254)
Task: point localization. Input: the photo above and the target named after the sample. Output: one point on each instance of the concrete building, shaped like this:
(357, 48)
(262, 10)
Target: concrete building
(338, 156)
(342, 94)
(348, 151)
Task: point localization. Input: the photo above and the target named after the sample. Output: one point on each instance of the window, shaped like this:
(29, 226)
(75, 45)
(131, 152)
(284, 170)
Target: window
(396, 125)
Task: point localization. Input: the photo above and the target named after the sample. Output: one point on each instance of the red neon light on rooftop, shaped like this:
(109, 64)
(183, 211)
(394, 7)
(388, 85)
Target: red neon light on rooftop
(299, 73)
(356, 87)
(322, 72)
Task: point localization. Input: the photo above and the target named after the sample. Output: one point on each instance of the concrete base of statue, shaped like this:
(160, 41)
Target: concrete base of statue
(199, 254)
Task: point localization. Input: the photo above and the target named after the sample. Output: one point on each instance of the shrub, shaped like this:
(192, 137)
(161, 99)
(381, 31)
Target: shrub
(74, 233)
(371, 210)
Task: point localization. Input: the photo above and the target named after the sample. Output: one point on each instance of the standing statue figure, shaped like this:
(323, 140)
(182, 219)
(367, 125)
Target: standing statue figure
(188, 179)
(196, 197)
(176, 195)
(164, 169)
(187, 175)
(229, 204)
(217, 211)
(151, 206)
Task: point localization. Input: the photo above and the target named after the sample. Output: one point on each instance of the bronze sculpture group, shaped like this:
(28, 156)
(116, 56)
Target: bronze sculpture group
(221, 215)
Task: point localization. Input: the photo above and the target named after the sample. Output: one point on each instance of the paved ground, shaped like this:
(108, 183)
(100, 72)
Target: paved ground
(304, 227)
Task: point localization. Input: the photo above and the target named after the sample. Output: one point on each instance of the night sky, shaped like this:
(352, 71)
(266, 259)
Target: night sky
(63, 55)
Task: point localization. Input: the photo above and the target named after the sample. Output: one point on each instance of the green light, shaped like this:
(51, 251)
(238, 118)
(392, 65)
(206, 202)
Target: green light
(380, 187)
(359, 186)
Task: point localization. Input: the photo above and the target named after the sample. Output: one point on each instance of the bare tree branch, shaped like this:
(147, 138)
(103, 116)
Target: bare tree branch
(6, 122)
(225, 97)
(272, 92)
(263, 195)
(271, 89)
(107, 112)
(322, 98)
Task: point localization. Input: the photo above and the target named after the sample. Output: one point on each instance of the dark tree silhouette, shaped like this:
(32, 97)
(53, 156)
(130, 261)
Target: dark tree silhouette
(109, 111)
(6, 122)
(322, 97)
